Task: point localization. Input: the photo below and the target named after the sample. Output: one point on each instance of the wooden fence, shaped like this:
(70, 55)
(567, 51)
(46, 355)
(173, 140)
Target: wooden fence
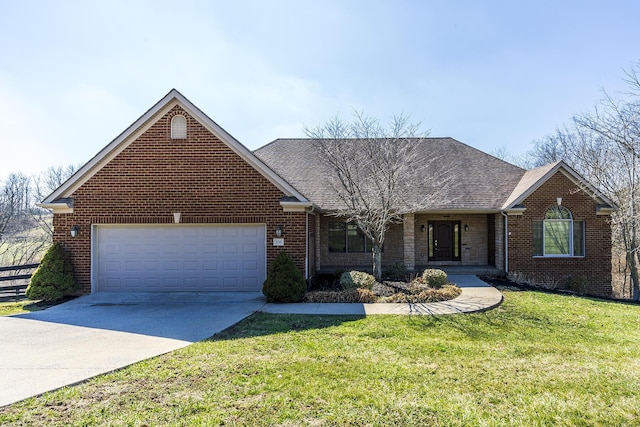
(15, 290)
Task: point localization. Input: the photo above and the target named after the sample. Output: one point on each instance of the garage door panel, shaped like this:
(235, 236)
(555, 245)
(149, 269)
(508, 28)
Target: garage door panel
(210, 265)
(230, 232)
(209, 248)
(180, 258)
(230, 248)
(250, 265)
(249, 248)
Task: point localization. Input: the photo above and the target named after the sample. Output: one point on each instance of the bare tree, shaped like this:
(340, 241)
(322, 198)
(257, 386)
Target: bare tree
(503, 153)
(25, 229)
(15, 204)
(604, 146)
(372, 171)
(44, 184)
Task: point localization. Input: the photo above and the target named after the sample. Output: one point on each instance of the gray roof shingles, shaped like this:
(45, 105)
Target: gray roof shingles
(477, 181)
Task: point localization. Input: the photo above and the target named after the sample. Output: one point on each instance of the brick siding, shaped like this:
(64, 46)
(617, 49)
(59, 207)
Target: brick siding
(200, 177)
(595, 266)
(339, 261)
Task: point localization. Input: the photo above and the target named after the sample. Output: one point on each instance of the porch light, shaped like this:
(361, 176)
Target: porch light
(278, 231)
(422, 228)
(466, 227)
(74, 231)
(559, 200)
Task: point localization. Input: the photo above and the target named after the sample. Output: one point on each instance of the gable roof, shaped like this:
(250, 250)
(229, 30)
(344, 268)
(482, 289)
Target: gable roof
(534, 178)
(60, 198)
(481, 183)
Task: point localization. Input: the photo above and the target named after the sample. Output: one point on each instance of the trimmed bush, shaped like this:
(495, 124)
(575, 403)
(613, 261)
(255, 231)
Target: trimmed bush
(445, 293)
(285, 282)
(418, 286)
(435, 278)
(397, 271)
(353, 295)
(54, 277)
(357, 279)
(578, 284)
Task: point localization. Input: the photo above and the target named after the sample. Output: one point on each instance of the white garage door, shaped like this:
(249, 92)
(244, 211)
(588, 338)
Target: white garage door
(161, 258)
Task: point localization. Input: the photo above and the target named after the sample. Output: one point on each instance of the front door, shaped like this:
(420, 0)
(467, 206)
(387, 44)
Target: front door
(444, 241)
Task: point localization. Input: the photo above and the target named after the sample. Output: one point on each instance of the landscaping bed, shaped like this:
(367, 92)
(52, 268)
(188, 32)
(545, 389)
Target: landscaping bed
(360, 287)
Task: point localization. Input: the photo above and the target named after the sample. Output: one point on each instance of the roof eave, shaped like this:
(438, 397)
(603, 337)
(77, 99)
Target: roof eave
(569, 173)
(140, 125)
(296, 206)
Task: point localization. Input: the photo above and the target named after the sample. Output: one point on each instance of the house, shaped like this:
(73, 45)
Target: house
(175, 203)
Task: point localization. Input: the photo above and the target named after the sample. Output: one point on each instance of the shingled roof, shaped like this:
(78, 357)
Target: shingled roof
(480, 182)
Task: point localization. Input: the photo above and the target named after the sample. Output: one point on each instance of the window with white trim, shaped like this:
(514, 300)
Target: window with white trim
(179, 127)
(558, 235)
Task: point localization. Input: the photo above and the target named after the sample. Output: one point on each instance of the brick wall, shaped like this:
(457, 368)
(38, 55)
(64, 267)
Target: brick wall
(595, 266)
(200, 177)
(331, 261)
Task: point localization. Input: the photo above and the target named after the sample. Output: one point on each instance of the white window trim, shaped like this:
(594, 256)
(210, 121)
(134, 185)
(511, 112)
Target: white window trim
(178, 133)
(571, 242)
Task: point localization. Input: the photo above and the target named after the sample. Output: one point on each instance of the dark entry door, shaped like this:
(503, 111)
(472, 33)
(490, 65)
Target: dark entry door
(445, 240)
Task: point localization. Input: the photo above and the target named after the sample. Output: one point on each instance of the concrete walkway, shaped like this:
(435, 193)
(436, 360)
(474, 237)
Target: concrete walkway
(476, 296)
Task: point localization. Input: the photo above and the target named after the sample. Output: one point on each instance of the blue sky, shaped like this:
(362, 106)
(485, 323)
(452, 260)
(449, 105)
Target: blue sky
(74, 74)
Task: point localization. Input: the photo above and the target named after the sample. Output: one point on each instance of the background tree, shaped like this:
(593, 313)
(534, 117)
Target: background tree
(604, 146)
(15, 206)
(373, 170)
(44, 184)
(25, 229)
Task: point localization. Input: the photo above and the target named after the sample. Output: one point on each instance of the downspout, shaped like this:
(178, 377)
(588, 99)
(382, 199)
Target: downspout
(306, 243)
(306, 246)
(506, 242)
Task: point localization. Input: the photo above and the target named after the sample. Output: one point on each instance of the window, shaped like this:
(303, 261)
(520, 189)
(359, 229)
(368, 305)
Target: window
(178, 127)
(346, 238)
(558, 234)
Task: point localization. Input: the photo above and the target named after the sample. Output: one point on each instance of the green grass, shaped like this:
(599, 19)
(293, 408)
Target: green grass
(538, 360)
(24, 306)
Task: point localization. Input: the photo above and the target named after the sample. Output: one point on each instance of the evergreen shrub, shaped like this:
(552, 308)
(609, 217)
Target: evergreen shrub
(54, 277)
(285, 282)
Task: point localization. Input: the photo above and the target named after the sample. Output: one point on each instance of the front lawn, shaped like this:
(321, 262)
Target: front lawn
(24, 306)
(537, 360)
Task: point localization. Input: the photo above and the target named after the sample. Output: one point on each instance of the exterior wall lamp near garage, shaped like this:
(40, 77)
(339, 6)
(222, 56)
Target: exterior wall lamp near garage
(278, 240)
(74, 231)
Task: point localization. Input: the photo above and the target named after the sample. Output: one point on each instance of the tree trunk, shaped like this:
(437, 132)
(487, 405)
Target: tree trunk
(377, 263)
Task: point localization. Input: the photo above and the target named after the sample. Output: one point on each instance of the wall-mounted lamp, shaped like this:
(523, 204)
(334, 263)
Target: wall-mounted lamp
(422, 228)
(559, 200)
(278, 231)
(466, 227)
(74, 231)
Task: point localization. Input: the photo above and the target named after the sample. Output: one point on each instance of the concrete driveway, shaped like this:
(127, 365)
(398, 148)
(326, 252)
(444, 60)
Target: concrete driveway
(98, 333)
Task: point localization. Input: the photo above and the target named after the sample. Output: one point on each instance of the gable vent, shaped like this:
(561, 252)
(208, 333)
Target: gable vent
(178, 127)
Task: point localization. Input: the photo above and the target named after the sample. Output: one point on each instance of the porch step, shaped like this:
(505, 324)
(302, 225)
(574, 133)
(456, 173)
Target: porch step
(476, 270)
